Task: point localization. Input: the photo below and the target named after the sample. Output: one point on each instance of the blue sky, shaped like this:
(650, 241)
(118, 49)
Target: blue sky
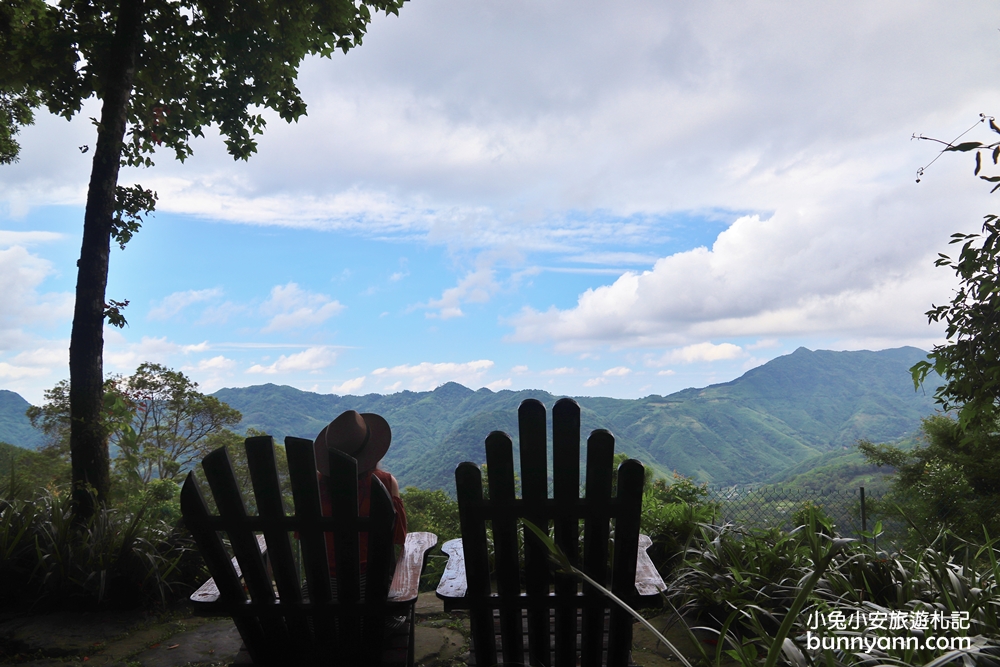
(555, 195)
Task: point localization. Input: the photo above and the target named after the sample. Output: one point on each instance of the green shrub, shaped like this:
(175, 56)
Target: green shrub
(671, 515)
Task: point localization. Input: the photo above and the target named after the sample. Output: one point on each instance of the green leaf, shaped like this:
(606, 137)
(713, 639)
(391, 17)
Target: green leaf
(965, 147)
(113, 313)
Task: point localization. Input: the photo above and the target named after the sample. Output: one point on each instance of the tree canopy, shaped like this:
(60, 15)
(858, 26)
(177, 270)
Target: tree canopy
(157, 420)
(969, 362)
(164, 70)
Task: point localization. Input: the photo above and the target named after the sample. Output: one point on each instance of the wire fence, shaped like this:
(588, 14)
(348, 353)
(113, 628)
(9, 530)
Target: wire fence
(852, 511)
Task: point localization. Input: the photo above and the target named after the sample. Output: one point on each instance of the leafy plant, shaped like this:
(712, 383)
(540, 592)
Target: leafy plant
(756, 591)
(117, 557)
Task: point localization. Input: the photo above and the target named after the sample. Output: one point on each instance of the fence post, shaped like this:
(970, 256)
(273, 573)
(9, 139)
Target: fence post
(864, 517)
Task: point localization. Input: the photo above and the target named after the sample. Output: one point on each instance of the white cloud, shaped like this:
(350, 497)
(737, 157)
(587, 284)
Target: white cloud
(9, 238)
(427, 376)
(700, 352)
(12, 372)
(475, 287)
(53, 354)
(519, 370)
(216, 363)
(220, 314)
(311, 360)
(617, 371)
(666, 373)
(122, 356)
(562, 370)
(499, 384)
(174, 303)
(595, 382)
(348, 386)
(806, 272)
(291, 307)
(23, 307)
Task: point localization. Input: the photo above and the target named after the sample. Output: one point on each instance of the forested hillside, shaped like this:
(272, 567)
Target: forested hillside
(773, 417)
(776, 416)
(14, 425)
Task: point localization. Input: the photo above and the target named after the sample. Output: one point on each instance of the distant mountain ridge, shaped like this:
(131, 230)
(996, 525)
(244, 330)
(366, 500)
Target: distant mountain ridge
(747, 430)
(775, 416)
(15, 428)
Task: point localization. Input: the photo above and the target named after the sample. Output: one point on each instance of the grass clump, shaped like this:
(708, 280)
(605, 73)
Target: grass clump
(767, 597)
(120, 558)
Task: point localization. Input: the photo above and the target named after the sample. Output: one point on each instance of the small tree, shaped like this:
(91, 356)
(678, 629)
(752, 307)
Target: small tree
(948, 482)
(156, 419)
(172, 423)
(969, 362)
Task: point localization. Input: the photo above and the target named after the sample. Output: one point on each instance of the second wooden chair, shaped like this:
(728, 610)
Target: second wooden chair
(550, 620)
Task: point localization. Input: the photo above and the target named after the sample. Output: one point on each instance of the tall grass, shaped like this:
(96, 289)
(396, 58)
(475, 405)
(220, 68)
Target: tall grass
(757, 591)
(118, 558)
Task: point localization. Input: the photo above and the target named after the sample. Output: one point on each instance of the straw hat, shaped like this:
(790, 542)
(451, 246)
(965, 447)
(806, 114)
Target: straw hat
(365, 437)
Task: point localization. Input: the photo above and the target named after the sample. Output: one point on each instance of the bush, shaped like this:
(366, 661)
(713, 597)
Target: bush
(671, 515)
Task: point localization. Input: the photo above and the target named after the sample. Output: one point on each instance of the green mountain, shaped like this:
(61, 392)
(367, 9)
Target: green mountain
(14, 425)
(774, 417)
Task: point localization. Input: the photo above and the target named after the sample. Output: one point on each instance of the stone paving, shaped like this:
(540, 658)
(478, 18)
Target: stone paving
(179, 639)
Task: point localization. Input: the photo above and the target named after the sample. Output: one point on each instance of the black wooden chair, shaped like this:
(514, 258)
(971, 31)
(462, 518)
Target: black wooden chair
(551, 614)
(261, 586)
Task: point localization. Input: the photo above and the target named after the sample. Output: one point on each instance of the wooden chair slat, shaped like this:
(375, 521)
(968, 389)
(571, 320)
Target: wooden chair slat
(312, 542)
(500, 459)
(631, 477)
(379, 560)
(566, 487)
(596, 529)
(469, 488)
(263, 466)
(342, 486)
(534, 490)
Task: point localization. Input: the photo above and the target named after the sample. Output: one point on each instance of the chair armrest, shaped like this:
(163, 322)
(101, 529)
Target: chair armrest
(209, 592)
(406, 580)
(648, 581)
(453, 583)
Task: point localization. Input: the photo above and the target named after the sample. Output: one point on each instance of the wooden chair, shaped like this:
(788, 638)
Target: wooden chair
(540, 620)
(261, 586)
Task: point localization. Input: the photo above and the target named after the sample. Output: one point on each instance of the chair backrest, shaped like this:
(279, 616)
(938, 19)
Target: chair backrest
(564, 510)
(279, 627)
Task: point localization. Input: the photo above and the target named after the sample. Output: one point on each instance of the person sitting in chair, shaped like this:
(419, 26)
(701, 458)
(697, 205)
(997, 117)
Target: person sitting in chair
(366, 438)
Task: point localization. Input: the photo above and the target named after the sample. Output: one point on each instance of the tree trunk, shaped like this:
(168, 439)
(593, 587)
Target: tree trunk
(88, 440)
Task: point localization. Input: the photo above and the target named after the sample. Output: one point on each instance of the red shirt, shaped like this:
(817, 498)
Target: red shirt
(364, 507)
